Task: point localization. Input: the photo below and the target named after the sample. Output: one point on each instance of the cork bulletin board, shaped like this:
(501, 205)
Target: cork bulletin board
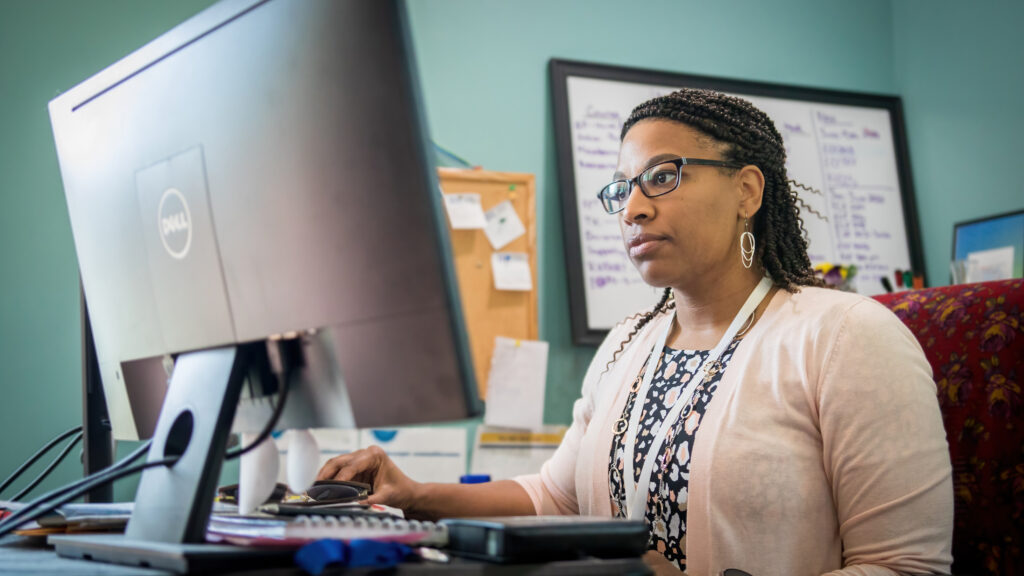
(490, 312)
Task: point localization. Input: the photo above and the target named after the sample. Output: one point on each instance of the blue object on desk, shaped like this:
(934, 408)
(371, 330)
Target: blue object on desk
(474, 478)
(315, 557)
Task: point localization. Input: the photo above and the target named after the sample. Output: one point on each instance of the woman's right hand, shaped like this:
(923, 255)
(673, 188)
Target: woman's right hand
(372, 466)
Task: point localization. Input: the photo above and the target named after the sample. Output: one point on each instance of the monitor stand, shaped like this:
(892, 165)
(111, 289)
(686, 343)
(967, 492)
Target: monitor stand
(172, 505)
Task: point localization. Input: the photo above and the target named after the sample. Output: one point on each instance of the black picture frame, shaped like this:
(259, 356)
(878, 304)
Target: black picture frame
(561, 70)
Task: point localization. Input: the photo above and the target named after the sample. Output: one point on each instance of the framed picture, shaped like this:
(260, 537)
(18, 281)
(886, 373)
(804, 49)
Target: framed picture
(990, 248)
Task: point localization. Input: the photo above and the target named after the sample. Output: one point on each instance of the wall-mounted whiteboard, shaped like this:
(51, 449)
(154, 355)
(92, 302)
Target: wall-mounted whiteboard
(850, 147)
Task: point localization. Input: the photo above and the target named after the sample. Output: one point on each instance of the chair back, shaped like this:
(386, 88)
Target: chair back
(973, 337)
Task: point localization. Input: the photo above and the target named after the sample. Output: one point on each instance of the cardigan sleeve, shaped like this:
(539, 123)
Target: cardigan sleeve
(885, 448)
(553, 490)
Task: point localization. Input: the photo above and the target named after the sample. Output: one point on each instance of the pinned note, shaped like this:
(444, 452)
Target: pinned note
(503, 225)
(515, 385)
(465, 211)
(511, 271)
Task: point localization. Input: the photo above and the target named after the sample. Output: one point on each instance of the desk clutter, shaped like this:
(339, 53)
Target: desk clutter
(356, 535)
(74, 518)
(293, 532)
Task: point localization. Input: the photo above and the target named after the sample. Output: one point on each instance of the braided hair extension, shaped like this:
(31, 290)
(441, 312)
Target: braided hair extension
(747, 136)
(663, 305)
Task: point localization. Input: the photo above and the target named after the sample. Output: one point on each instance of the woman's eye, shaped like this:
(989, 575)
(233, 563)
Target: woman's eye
(662, 177)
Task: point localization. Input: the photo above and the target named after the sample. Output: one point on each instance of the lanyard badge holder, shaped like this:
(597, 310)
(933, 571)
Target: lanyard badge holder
(636, 493)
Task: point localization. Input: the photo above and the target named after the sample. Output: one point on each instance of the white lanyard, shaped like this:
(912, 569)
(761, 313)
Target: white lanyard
(636, 494)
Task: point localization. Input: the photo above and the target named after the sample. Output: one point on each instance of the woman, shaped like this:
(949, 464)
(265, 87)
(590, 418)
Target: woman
(801, 430)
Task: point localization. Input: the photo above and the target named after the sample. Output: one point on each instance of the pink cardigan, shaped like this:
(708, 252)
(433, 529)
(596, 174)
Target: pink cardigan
(822, 449)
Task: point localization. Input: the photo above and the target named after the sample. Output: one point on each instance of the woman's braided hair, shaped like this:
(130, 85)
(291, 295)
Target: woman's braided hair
(749, 137)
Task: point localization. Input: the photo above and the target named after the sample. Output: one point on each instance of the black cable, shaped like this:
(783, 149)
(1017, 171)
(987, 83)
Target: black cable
(37, 508)
(27, 509)
(12, 523)
(43, 505)
(42, 475)
(21, 469)
(269, 428)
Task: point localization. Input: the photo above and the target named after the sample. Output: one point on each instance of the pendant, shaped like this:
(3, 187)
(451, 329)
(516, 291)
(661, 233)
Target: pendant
(620, 426)
(715, 368)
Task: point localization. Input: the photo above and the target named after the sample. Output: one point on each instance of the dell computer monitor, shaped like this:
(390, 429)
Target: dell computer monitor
(261, 172)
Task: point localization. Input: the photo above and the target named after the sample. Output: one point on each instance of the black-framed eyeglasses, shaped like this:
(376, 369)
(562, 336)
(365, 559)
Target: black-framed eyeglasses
(657, 180)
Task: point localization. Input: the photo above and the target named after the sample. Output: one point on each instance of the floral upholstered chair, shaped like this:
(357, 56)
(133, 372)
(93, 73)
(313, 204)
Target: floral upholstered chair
(973, 336)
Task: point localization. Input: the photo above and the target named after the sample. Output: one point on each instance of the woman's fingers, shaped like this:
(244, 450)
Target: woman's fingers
(361, 466)
(332, 466)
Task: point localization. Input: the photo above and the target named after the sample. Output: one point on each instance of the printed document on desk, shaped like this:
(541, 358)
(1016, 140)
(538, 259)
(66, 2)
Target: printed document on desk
(502, 453)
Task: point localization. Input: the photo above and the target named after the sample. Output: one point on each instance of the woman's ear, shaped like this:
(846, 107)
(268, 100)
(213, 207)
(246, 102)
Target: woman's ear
(750, 180)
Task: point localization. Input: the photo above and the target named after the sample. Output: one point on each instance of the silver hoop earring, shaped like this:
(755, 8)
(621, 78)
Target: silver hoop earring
(747, 245)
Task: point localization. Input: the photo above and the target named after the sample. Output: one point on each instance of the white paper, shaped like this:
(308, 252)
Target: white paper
(503, 225)
(511, 271)
(257, 473)
(515, 385)
(465, 212)
(988, 265)
(303, 460)
(423, 454)
(503, 453)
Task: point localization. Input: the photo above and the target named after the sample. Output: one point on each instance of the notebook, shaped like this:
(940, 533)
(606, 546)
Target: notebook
(294, 532)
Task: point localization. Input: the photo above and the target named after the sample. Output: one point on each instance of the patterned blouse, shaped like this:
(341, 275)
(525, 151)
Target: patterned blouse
(666, 503)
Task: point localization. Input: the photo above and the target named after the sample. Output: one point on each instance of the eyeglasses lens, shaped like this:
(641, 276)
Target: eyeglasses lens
(655, 181)
(660, 179)
(614, 195)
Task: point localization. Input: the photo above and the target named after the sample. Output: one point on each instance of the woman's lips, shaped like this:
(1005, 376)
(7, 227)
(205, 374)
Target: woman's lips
(644, 245)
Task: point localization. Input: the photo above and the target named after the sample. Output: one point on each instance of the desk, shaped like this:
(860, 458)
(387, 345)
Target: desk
(20, 555)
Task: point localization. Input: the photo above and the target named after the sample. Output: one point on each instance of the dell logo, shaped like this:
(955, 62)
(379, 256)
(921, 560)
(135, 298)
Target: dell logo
(174, 223)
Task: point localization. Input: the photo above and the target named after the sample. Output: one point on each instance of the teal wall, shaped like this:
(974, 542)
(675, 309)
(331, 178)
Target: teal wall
(959, 67)
(484, 71)
(483, 65)
(46, 47)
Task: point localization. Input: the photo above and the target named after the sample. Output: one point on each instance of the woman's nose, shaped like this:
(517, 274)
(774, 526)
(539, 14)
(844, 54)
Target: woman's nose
(638, 205)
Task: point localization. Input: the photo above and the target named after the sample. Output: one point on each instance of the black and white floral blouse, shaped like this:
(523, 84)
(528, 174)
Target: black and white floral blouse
(666, 501)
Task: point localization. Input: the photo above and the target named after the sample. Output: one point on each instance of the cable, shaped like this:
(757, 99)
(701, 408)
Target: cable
(12, 523)
(44, 505)
(21, 469)
(37, 508)
(42, 475)
(88, 480)
(27, 509)
(269, 428)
